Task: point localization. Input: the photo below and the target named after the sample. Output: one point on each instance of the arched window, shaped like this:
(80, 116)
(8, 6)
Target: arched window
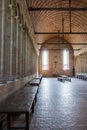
(45, 60)
(65, 59)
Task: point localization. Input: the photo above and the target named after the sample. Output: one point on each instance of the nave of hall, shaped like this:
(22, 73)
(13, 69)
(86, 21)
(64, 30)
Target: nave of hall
(43, 64)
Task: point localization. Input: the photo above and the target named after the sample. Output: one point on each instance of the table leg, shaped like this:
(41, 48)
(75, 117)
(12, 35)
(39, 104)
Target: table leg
(1, 125)
(27, 121)
(8, 121)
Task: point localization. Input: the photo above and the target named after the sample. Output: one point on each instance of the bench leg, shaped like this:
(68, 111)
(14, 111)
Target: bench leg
(27, 121)
(33, 106)
(8, 121)
(1, 125)
(36, 98)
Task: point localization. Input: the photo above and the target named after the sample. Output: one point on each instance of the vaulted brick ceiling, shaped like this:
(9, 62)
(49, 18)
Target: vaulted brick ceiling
(50, 19)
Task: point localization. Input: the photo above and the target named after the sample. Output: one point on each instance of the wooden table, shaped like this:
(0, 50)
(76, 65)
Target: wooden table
(21, 102)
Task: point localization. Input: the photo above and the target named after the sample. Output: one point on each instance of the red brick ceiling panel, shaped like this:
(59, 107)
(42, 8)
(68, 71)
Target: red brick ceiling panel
(51, 21)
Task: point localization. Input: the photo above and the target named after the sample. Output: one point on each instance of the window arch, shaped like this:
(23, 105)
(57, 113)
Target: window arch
(45, 60)
(65, 59)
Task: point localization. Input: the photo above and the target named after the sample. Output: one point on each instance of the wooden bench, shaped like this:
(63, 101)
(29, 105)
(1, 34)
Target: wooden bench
(21, 102)
(64, 78)
(33, 86)
(68, 79)
(35, 82)
(61, 79)
(32, 90)
(82, 76)
(38, 77)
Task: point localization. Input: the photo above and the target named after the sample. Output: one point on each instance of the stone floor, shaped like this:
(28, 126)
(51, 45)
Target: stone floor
(60, 105)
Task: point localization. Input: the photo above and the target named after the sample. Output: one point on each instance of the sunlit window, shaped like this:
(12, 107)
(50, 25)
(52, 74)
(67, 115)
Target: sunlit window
(45, 60)
(65, 60)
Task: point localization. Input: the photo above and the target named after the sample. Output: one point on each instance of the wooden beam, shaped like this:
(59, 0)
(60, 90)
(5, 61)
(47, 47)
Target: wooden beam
(62, 43)
(45, 33)
(60, 49)
(57, 9)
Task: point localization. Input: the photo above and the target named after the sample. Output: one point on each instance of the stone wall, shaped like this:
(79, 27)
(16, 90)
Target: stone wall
(56, 59)
(81, 63)
(18, 55)
(12, 86)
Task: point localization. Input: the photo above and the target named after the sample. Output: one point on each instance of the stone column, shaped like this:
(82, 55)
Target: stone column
(7, 40)
(24, 49)
(2, 40)
(17, 45)
(14, 42)
(27, 54)
(11, 77)
(19, 30)
(29, 59)
(26, 42)
(34, 61)
(32, 55)
(21, 43)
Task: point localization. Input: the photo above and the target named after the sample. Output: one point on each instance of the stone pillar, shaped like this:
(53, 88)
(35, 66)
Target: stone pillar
(21, 43)
(7, 40)
(26, 42)
(2, 40)
(29, 65)
(1, 76)
(34, 61)
(11, 77)
(24, 49)
(17, 45)
(14, 42)
(32, 55)
(28, 56)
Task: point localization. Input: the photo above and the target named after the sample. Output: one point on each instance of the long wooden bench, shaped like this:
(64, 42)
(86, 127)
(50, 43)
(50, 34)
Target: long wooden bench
(64, 78)
(38, 77)
(35, 82)
(37, 87)
(82, 76)
(61, 79)
(21, 102)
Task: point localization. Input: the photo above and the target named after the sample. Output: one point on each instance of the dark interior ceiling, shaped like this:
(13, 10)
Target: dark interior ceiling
(61, 18)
